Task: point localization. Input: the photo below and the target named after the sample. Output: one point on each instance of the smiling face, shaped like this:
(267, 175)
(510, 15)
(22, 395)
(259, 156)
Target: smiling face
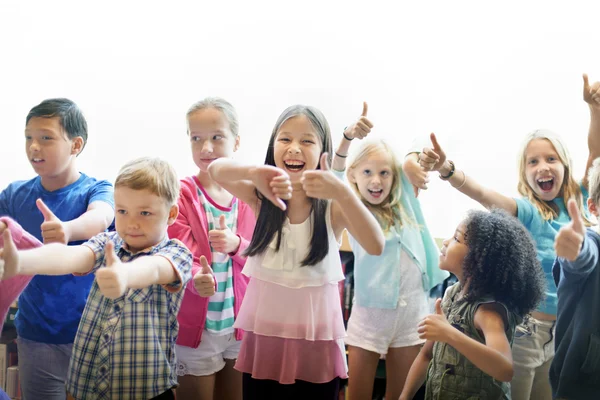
(210, 137)
(373, 177)
(544, 170)
(297, 147)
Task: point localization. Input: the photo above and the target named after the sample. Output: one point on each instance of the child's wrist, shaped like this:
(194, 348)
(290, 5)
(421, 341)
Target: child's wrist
(446, 168)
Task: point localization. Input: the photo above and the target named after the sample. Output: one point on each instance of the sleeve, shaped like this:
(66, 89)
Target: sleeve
(245, 229)
(525, 211)
(341, 175)
(585, 263)
(181, 260)
(23, 239)
(5, 197)
(97, 244)
(102, 191)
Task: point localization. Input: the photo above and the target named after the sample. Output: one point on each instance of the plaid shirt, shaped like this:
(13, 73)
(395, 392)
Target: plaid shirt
(125, 348)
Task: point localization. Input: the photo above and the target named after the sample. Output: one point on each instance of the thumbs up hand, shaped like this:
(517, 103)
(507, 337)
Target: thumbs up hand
(53, 229)
(322, 183)
(435, 327)
(222, 239)
(362, 127)
(204, 280)
(432, 158)
(591, 93)
(570, 237)
(112, 279)
(9, 257)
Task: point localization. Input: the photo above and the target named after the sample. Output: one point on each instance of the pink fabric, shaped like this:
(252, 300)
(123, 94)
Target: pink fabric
(191, 228)
(285, 360)
(311, 313)
(11, 288)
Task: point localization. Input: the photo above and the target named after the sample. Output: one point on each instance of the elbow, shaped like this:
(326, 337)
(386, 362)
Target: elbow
(507, 373)
(376, 248)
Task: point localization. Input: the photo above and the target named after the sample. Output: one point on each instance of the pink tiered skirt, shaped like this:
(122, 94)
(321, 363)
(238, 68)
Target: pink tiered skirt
(292, 333)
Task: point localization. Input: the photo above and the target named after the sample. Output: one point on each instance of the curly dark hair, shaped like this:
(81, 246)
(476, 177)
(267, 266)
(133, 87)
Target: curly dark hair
(501, 261)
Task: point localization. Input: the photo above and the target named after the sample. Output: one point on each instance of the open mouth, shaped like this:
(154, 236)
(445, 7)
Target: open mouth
(37, 160)
(375, 193)
(294, 165)
(546, 184)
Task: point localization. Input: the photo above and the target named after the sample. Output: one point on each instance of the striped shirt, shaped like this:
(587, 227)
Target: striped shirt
(124, 348)
(220, 317)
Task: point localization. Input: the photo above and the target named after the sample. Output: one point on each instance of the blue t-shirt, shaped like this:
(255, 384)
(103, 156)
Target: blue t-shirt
(51, 306)
(544, 233)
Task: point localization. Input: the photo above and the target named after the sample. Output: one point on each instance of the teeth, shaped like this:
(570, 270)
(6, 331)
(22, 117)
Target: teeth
(295, 163)
(545, 180)
(37, 159)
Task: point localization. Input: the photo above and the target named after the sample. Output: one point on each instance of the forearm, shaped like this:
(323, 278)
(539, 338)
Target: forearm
(339, 163)
(227, 170)
(360, 223)
(150, 270)
(416, 376)
(593, 141)
(586, 260)
(55, 259)
(487, 359)
(90, 223)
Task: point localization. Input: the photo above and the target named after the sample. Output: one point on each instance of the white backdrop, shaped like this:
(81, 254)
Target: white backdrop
(479, 75)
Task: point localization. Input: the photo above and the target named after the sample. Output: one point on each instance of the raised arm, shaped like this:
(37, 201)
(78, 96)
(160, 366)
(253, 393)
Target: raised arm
(358, 130)
(50, 259)
(591, 95)
(434, 159)
(347, 211)
(243, 180)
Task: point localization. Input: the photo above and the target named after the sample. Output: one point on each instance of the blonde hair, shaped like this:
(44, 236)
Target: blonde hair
(569, 186)
(390, 211)
(594, 181)
(218, 104)
(153, 174)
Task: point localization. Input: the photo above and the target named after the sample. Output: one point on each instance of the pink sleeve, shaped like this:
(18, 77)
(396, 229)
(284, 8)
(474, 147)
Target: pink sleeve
(246, 222)
(11, 288)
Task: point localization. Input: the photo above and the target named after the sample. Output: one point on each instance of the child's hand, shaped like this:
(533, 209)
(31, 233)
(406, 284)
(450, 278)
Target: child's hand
(274, 183)
(204, 281)
(570, 237)
(362, 127)
(432, 159)
(9, 257)
(223, 239)
(321, 184)
(112, 279)
(435, 327)
(53, 229)
(591, 94)
(416, 175)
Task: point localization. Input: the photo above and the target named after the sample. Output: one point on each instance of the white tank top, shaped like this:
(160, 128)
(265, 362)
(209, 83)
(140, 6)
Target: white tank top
(284, 267)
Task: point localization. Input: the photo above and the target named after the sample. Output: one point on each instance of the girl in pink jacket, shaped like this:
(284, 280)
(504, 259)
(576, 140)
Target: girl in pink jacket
(214, 224)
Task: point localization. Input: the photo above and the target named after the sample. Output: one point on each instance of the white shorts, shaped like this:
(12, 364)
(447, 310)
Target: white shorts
(378, 329)
(209, 358)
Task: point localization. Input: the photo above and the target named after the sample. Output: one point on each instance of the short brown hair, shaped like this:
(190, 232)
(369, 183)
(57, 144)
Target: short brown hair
(153, 174)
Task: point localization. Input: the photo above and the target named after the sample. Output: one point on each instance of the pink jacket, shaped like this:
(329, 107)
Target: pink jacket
(11, 288)
(191, 227)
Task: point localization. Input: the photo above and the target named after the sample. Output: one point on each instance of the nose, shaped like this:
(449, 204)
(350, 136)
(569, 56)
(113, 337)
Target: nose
(294, 149)
(34, 146)
(445, 242)
(207, 147)
(376, 179)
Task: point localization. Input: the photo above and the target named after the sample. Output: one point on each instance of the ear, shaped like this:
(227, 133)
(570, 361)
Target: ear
(173, 213)
(592, 207)
(236, 145)
(76, 145)
(351, 177)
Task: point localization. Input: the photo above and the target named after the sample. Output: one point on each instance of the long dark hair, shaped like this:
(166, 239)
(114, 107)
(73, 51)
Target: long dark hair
(271, 218)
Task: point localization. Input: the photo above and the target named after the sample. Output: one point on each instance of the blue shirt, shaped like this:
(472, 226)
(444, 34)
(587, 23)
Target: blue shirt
(51, 306)
(544, 233)
(575, 369)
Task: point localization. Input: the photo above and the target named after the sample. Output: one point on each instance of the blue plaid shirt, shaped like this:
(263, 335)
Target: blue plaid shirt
(125, 348)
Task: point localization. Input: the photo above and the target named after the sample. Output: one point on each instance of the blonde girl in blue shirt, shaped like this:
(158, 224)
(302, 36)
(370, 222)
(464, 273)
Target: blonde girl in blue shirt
(391, 289)
(546, 183)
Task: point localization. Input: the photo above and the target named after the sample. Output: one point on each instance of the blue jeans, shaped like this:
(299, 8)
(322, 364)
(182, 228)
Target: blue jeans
(43, 369)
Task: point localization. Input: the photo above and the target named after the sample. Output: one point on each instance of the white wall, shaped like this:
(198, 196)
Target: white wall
(479, 75)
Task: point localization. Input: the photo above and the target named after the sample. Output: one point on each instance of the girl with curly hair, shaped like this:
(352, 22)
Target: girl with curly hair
(468, 349)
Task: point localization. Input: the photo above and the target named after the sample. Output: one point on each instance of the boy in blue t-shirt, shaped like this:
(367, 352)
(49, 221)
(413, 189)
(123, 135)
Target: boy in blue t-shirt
(59, 205)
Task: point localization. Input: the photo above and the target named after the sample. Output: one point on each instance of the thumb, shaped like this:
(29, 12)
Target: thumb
(324, 162)
(586, 84)
(48, 215)
(434, 142)
(438, 307)
(110, 257)
(416, 190)
(206, 269)
(365, 109)
(222, 223)
(9, 245)
(576, 220)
